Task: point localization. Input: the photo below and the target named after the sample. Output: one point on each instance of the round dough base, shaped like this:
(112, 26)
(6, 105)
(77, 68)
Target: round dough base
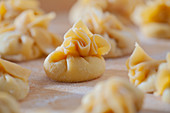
(75, 69)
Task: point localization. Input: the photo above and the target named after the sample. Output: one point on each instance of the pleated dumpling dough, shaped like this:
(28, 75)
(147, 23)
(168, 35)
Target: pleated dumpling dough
(8, 104)
(163, 80)
(14, 79)
(81, 7)
(79, 57)
(28, 38)
(121, 38)
(154, 18)
(10, 9)
(114, 95)
(142, 69)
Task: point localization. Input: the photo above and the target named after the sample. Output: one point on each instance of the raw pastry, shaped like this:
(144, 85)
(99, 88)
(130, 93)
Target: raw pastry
(112, 96)
(163, 80)
(10, 9)
(111, 6)
(121, 38)
(8, 104)
(79, 57)
(142, 69)
(148, 74)
(14, 79)
(28, 38)
(81, 7)
(153, 18)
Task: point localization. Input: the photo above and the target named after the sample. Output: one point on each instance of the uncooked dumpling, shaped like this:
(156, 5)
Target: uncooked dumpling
(142, 69)
(153, 18)
(111, 6)
(148, 74)
(121, 38)
(28, 38)
(14, 79)
(8, 104)
(114, 95)
(10, 9)
(163, 80)
(79, 57)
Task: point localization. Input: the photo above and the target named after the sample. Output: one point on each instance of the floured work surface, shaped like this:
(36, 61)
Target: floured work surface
(47, 96)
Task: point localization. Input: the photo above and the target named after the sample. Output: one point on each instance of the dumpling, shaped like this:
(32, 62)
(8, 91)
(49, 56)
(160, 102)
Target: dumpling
(163, 80)
(121, 38)
(8, 104)
(81, 7)
(14, 79)
(114, 95)
(148, 74)
(28, 38)
(153, 18)
(79, 57)
(142, 69)
(10, 9)
(112, 6)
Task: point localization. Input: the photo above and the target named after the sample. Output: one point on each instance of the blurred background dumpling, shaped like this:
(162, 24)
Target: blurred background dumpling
(114, 95)
(153, 18)
(8, 103)
(28, 37)
(10, 9)
(14, 79)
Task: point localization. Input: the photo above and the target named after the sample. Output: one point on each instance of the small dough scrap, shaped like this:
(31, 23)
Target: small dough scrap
(142, 69)
(79, 57)
(163, 80)
(8, 104)
(114, 95)
(10, 9)
(153, 18)
(121, 38)
(14, 79)
(28, 38)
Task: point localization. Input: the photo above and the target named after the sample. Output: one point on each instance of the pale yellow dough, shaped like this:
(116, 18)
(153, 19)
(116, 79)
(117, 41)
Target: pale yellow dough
(81, 7)
(8, 104)
(14, 79)
(79, 57)
(163, 80)
(142, 69)
(148, 74)
(114, 95)
(10, 9)
(28, 38)
(153, 18)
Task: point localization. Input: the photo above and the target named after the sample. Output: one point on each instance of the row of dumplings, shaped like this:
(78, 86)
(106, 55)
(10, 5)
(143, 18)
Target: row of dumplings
(152, 16)
(120, 96)
(79, 57)
(27, 24)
